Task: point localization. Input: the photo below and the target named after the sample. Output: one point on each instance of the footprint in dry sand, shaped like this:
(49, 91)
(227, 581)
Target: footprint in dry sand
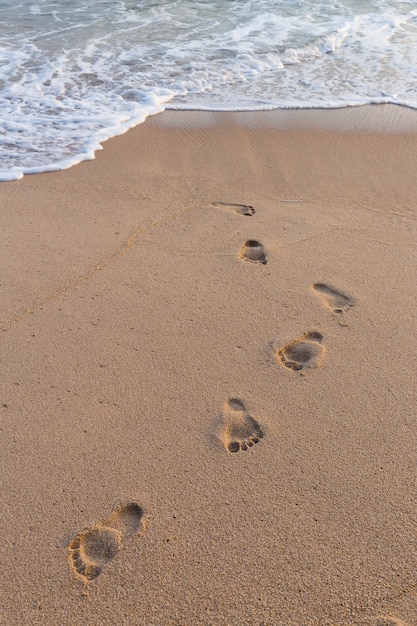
(239, 430)
(335, 300)
(253, 251)
(242, 209)
(94, 547)
(305, 352)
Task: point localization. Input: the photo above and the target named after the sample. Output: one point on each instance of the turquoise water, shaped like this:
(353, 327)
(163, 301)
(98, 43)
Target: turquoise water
(73, 74)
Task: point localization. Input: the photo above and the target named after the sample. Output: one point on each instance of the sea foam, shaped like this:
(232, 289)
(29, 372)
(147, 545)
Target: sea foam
(73, 75)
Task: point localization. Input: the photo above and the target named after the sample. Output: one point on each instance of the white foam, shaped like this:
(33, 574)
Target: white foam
(71, 76)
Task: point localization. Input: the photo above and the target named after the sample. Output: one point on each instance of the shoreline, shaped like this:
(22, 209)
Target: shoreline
(373, 118)
(208, 406)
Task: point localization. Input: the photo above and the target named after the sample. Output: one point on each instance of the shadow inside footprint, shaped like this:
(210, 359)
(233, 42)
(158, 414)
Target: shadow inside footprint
(388, 621)
(94, 547)
(306, 351)
(253, 251)
(239, 430)
(333, 299)
(241, 209)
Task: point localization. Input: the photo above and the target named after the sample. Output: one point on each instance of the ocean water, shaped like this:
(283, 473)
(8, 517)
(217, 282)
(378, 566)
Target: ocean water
(75, 73)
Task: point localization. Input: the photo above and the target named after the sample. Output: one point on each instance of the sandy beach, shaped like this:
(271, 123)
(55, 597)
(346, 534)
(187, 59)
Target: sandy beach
(209, 376)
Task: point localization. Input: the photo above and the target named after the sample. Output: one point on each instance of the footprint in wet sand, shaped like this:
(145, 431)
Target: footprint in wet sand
(305, 352)
(335, 300)
(253, 251)
(242, 209)
(94, 547)
(239, 430)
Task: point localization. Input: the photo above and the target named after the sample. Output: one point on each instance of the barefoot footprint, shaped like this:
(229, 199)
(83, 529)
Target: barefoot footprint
(240, 430)
(242, 209)
(335, 300)
(306, 351)
(253, 251)
(94, 547)
(388, 621)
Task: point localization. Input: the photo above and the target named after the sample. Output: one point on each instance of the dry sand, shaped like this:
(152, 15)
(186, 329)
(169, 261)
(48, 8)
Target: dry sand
(208, 386)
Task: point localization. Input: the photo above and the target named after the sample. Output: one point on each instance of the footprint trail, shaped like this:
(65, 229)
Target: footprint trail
(333, 299)
(305, 352)
(241, 209)
(239, 430)
(253, 251)
(94, 547)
